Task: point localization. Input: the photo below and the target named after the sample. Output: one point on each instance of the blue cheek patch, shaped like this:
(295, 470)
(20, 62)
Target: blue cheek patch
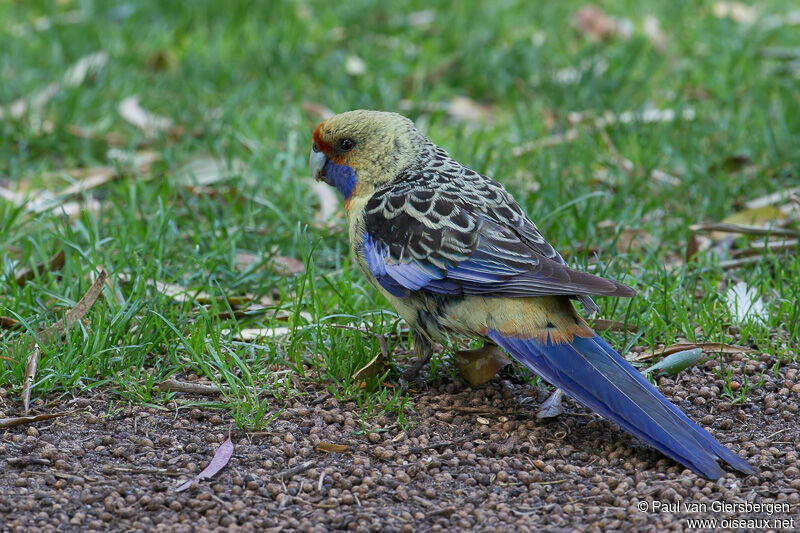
(342, 177)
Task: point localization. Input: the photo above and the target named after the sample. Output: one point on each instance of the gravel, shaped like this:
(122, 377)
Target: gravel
(473, 459)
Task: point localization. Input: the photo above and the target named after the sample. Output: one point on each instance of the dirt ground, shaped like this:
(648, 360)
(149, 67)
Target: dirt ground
(473, 459)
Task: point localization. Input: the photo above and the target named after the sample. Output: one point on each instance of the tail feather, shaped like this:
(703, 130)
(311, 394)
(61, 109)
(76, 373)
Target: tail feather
(592, 373)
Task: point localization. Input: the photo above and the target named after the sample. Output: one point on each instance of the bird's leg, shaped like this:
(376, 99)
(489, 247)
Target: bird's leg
(424, 351)
(481, 364)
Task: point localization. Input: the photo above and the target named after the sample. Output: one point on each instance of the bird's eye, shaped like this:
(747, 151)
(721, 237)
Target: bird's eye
(315, 147)
(345, 145)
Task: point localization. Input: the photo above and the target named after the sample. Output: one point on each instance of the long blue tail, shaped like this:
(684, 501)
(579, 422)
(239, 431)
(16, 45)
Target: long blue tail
(594, 374)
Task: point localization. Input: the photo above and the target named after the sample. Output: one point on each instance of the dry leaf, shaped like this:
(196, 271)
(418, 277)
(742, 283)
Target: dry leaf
(206, 170)
(371, 370)
(86, 66)
(676, 362)
(59, 329)
(773, 198)
(6, 322)
(478, 366)
(552, 406)
(745, 304)
(221, 458)
(328, 202)
(148, 122)
(608, 118)
(180, 294)
(75, 314)
(710, 347)
(19, 420)
(736, 11)
(317, 111)
(421, 19)
(74, 76)
(466, 109)
(597, 26)
(652, 30)
(790, 18)
(55, 263)
(355, 66)
(30, 374)
(332, 448)
(286, 265)
(251, 334)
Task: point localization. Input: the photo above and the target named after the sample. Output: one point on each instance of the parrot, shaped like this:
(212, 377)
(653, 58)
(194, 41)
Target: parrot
(454, 253)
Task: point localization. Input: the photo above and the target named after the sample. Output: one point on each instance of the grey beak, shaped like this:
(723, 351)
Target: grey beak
(316, 162)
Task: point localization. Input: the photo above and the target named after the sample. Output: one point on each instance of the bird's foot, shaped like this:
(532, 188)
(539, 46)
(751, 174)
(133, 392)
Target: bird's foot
(424, 350)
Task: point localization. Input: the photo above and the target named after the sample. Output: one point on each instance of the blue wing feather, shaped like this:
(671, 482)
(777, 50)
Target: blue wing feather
(485, 272)
(592, 373)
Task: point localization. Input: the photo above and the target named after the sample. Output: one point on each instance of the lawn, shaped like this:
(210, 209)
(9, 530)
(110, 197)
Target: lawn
(617, 136)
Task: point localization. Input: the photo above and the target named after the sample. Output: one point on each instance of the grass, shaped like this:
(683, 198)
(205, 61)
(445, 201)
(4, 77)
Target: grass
(236, 75)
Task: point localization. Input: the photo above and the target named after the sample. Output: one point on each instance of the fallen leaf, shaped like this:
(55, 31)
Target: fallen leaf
(789, 18)
(355, 66)
(421, 19)
(677, 362)
(75, 314)
(607, 119)
(88, 65)
(30, 374)
(651, 27)
(150, 123)
(478, 366)
(371, 370)
(710, 347)
(74, 76)
(466, 109)
(551, 407)
(773, 198)
(736, 11)
(317, 111)
(286, 265)
(332, 448)
(757, 248)
(180, 294)
(633, 239)
(756, 216)
(745, 304)
(251, 334)
(597, 26)
(206, 170)
(328, 201)
(19, 420)
(6, 322)
(221, 458)
(55, 263)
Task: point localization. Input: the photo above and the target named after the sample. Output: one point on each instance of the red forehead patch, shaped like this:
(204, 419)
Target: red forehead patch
(324, 146)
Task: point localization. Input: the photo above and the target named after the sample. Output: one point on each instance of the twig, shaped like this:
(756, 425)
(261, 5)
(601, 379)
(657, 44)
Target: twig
(744, 229)
(173, 385)
(418, 449)
(736, 263)
(612, 325)
(302, 467)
